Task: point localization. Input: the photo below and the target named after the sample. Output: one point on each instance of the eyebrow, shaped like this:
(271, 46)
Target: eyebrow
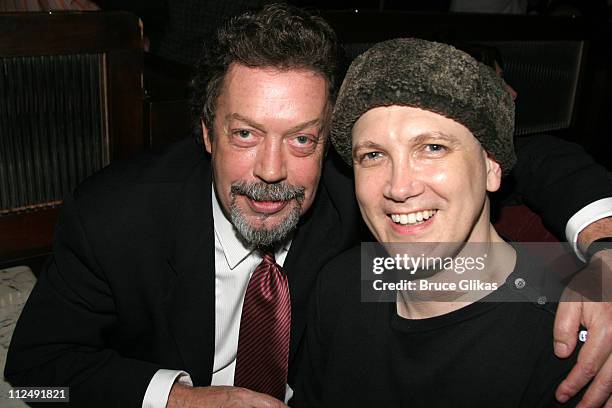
(368, 144)
(305, 125)
(261, 128)
(421, 138)
(425, 136)
(246, 120)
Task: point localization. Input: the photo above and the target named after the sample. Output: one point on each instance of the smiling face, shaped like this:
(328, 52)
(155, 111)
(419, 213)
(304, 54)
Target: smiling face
(267, 148)
(421, 177)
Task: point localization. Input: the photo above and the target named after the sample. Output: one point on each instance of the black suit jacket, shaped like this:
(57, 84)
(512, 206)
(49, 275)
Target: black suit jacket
(131, 286)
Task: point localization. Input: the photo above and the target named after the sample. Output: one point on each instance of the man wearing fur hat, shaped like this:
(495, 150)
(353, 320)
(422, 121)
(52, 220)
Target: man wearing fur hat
(428, 131)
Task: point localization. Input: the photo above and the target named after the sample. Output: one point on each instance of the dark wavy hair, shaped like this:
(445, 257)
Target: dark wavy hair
(279, 36)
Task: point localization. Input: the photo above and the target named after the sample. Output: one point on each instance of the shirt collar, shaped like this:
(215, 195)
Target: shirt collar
(234, 249)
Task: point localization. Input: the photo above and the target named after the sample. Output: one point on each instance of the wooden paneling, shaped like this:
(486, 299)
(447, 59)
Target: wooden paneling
(116, 41)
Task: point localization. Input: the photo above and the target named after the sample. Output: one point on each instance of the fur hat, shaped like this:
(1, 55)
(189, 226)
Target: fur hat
(431, 76)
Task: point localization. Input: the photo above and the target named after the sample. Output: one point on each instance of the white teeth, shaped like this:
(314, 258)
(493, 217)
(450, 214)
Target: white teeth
(412, 218)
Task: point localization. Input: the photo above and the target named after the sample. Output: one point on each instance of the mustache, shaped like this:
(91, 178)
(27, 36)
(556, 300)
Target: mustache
(260, 191)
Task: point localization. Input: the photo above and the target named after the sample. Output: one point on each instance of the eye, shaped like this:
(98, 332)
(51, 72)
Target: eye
(302, 139)
(243, 134)
(368, 159)
(244, 138)
(434, 148)
(303, 144)
(372, 155)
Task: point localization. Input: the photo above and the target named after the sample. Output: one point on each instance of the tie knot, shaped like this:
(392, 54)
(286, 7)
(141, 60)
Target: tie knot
(268, 257)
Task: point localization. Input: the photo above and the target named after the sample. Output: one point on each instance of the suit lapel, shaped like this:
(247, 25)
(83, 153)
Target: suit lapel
(190, 305)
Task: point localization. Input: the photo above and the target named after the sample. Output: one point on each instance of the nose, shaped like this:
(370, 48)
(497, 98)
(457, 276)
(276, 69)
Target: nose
(403, 182)
(270, 161)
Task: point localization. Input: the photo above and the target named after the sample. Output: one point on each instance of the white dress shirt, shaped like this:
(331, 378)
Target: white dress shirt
(234, 264)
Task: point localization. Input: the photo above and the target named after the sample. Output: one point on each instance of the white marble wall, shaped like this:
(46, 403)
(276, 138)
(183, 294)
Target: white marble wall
(15, 287)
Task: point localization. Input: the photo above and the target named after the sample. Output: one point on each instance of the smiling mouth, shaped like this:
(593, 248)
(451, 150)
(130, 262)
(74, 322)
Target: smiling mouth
(413, 218)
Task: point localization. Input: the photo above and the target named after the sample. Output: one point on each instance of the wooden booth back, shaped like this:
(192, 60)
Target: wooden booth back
(70, 102)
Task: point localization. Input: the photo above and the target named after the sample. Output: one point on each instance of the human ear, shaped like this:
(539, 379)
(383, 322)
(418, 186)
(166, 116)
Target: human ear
(494, 173)
(206, 137)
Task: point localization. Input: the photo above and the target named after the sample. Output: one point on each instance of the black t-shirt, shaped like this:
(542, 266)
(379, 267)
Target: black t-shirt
(483, 355)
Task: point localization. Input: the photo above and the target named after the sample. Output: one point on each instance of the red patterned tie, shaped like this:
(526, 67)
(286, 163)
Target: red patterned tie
(263, 344)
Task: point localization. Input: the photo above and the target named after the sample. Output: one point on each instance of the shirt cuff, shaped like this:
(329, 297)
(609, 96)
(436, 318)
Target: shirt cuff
(589, 214)
(160, 385)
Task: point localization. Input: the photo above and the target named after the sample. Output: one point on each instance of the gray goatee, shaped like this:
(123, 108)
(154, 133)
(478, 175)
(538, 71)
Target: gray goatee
(260, 191)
